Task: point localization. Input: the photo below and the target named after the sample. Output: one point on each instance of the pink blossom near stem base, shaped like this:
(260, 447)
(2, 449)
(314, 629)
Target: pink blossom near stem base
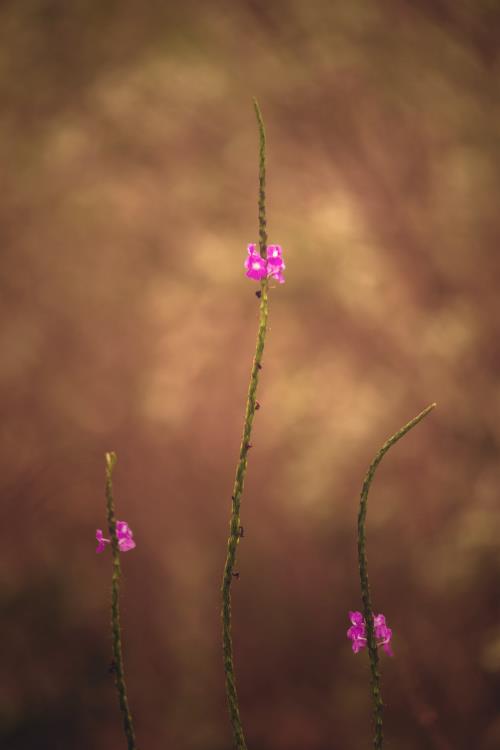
(124, 534)
(357, 632)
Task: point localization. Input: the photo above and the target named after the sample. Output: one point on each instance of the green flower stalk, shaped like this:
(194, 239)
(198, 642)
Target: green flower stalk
(374, 626)
(261, 266)
(121, 539)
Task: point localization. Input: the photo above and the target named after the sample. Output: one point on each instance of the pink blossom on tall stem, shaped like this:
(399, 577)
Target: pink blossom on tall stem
(271, 266)
(275, 256)
(101, 541)
(124, 534)
(357, 632)
(383, 634)
(255, 265)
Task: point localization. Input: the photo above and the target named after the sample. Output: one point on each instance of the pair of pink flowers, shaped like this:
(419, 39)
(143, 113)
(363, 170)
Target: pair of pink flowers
(271, 266)
(124, 534)
(357, 632)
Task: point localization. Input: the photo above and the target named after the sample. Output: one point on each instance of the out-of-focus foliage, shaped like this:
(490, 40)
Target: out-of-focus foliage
(129, 170)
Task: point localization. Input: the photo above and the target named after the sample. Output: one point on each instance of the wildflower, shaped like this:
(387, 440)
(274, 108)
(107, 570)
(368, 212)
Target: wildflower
(357, 632)
(275, 263)
(124, 534)
(383, 634)
(271, 266)
(255, 265)
(101, 541)
(275, 255)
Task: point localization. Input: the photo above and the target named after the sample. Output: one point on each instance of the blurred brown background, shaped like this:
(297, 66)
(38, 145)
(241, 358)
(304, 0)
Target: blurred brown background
(129, 174)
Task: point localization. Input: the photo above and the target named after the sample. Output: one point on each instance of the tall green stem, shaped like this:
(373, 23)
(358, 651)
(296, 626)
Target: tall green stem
(363, 574)
(115, 608)
(251, 405)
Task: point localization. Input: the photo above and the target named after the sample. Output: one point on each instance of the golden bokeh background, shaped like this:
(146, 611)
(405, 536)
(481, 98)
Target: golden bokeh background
(129, 189)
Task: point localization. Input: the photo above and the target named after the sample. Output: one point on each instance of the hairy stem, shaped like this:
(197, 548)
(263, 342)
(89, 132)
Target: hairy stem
(363, 574)
(115, 608)
(251, 405)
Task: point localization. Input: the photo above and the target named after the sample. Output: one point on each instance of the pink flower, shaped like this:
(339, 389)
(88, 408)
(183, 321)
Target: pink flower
(277, 275)
(383, 634)
(357, 632)
(275, 255)
(124, 534)
(255, 265)
(272, 266)
(101, 541)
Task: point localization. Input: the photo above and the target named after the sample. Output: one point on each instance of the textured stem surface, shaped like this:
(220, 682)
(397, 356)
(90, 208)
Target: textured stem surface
(115, 609)
(234, 527)
(363, 574)
(262, 181)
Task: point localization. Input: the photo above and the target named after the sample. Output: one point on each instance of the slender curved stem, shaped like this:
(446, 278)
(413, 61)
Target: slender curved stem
(234, 527)
(363, 574)
(115, 608)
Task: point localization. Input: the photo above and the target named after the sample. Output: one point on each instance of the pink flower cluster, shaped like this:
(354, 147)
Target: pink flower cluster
(357, 632)
(271, 266)
(124, 534)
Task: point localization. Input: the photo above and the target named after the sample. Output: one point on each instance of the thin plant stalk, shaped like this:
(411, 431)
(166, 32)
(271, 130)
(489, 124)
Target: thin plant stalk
(235, 530)
(117, 665)
(363, 574)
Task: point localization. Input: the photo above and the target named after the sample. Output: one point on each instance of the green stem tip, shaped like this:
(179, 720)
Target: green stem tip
(262, 181)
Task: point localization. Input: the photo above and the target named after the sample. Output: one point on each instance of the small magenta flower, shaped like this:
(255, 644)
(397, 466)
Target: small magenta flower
(274, 255)
(272, 266)
(255, 265)
(275, 264)
(101, 541)
(277, 274)
(124, 534)
(383, 633)
(357, 632)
